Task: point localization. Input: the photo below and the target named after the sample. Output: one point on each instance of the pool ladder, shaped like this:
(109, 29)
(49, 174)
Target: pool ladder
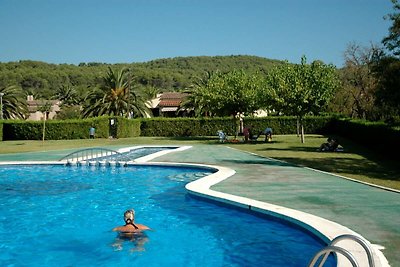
(95, 157)
(97, 163)
(332, 248)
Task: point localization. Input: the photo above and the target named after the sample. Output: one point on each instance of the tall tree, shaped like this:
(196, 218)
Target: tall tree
(358, 81)
(392, 41)
(301, 89)
(195, 101)
(70, 107)
(14, 103)
(387, 69)
(67, 95)
(228, 94)
(233, 94)
(387, 95)
(116, 97)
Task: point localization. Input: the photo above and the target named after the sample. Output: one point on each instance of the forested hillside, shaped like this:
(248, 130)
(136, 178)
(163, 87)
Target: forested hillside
(173, 74)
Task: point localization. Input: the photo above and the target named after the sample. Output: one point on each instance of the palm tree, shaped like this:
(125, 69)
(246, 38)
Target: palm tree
(195, 99)
(67, 95)
(115, 98)
(14, 103)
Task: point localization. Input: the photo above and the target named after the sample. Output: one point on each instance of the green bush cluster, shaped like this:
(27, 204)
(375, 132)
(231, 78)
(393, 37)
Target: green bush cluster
(119, 127)
(393, 121)
(210, 126)
(125, 128)
(55, 130)
(70, 129)
(186, 126)
(288, 124)
(374, 135)
(21, 130)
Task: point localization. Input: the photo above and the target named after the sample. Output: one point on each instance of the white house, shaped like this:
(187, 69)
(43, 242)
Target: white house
(34, 106)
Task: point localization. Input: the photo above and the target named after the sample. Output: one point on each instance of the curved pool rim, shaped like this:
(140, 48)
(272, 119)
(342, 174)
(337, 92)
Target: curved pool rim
(324, 229)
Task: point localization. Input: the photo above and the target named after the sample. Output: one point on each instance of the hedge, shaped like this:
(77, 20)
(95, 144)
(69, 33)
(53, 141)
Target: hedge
(185, 126)
(70, 129)
(55, 130)
(210, 126)
(288, 124)
(374, 135)
(121, 127)
(125, 128)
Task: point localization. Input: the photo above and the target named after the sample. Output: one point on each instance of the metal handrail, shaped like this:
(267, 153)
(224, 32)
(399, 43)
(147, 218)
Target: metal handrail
(355, 238)
(360, 241)
(93, 153)
(327, 250)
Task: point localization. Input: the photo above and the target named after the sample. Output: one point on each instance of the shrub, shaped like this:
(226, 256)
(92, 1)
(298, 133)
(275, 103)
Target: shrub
(210, 126)
(55, 130)
(186, 126)
(288, 124)
(374, 135)
(126, 127)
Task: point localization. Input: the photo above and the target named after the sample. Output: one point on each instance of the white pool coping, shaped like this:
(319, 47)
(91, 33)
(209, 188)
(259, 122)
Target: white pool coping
(323, 228)
(154, 155)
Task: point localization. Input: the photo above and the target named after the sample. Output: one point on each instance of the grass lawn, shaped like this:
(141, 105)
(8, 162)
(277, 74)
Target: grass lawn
(355, 162)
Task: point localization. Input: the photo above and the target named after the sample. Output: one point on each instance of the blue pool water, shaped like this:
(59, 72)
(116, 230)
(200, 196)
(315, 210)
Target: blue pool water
(63, 216)
(135, 153)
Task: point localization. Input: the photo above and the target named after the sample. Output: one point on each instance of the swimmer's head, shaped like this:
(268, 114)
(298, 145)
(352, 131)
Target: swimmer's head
(129, 216)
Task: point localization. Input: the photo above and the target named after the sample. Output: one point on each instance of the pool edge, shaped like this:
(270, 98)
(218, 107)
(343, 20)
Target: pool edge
(323, 228)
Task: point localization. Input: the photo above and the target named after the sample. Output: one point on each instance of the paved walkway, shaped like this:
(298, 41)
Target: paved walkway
(374, 213)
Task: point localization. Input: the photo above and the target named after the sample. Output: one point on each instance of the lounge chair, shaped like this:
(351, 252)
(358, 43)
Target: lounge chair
(222, 136)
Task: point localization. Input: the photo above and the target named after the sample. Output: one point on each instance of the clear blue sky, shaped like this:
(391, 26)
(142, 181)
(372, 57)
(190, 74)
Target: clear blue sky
(125, 31)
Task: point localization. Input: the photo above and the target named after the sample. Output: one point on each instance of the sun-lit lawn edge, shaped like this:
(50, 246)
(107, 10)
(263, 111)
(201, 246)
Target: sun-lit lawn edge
(355, 162)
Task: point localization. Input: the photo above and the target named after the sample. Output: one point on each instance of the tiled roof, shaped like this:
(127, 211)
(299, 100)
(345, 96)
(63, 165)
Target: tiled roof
(171, 99)
(169, 103)
(173, 95)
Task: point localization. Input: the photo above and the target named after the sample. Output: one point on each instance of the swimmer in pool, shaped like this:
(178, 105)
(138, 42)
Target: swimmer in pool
(131, 231)
(130, 225)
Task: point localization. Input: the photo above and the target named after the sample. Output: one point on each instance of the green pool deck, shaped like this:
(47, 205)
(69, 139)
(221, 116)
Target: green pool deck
(372, 212)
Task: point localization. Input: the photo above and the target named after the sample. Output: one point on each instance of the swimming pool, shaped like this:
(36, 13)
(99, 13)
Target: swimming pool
(135, 153)
(51, 215)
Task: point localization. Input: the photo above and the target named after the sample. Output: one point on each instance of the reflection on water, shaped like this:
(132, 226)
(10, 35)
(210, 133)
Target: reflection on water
(41, 188)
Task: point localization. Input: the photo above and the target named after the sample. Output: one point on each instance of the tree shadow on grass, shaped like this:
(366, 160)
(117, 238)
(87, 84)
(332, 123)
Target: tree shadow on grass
(189, 138)
(262, 161)
(348, 166)
(252, 142)
(294, 148)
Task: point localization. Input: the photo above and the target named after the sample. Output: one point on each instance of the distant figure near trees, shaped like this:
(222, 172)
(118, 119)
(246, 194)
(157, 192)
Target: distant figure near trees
(268, 134)
(92, 131)
(332, 145)
(247, 133)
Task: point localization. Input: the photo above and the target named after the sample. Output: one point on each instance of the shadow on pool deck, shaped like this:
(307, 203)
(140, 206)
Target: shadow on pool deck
(257, 161)
(372, 212)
